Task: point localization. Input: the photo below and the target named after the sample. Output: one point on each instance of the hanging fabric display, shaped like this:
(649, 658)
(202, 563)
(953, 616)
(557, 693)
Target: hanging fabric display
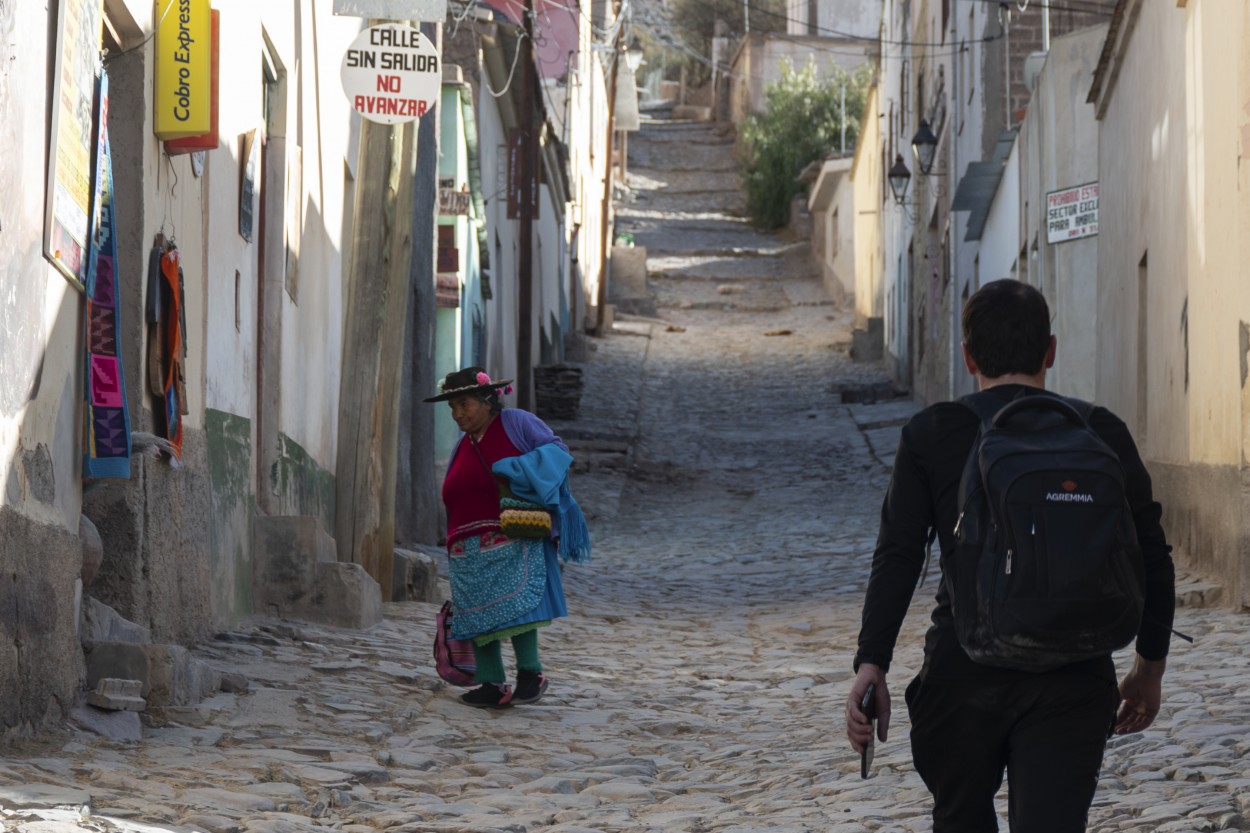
(167, 347)
(107, 423)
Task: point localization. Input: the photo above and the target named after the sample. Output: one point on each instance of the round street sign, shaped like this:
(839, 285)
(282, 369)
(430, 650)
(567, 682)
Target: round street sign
(392, 73)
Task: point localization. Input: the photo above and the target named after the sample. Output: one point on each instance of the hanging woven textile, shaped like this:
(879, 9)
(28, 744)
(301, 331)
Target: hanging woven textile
(107, 423)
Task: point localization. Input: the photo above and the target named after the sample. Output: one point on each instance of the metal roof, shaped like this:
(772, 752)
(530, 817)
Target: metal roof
(979, 184)
(825, 184)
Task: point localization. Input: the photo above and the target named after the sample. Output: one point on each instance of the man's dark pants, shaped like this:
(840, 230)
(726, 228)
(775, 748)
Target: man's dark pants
(1047, 730)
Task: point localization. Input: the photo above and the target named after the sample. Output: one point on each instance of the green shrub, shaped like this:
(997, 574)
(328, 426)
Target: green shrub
(803, 123)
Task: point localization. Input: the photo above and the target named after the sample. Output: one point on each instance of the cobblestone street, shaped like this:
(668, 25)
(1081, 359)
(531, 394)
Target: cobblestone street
(698, 683)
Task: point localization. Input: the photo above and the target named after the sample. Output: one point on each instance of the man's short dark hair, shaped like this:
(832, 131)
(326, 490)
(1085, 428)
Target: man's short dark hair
(1006, 326)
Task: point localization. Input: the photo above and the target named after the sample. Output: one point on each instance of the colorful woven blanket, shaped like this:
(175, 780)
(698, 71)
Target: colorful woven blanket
(107, 423)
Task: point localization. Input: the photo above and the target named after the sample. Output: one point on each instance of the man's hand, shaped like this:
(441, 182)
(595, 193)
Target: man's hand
(858, 726)
(1141, 692)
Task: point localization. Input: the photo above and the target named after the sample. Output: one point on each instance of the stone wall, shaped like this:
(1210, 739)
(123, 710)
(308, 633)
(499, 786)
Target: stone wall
(1204, 518)
(41, 663)
(157, 535)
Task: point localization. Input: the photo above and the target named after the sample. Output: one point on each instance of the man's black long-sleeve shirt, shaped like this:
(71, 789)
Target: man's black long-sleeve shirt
(923, 493)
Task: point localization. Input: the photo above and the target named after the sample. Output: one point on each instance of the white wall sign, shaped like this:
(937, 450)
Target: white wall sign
(452, 200)
(428, 11)
(67, 224)
(1072, 213)
(392, 74)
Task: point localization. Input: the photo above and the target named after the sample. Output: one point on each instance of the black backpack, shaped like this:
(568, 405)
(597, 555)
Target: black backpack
(1046, 569)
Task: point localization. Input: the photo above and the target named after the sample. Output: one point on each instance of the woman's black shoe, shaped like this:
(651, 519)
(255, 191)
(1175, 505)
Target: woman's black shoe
(530, 686)
(488, 696)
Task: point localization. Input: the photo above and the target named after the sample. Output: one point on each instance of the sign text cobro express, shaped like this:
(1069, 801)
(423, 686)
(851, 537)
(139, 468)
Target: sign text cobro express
(387, 73)
(183, 72)
(182, 55)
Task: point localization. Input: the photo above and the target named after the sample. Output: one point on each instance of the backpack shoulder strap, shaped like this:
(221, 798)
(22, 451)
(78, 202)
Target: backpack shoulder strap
(985, 407)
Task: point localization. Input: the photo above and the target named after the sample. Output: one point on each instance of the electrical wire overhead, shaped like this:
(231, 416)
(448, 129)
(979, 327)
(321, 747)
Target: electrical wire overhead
(852, 36)
(1094, 7)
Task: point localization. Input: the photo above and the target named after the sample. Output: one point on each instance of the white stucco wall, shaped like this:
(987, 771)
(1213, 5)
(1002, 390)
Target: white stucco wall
(1059, 138)
(831, 200)
(1175, 127)
(844, 233)
(501, 311)
(897, 222)
(866, 177)
(319, 124)
(1146, 188)
(1218, 113)
(450, 340)
(586, 144)
(549, 252)
(968, 104)
(848, 17)
(40, 312)
(230, 356)
(202, 215)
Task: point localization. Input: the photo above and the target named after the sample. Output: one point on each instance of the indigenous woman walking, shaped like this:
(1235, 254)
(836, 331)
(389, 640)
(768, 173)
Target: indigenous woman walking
(506, 587)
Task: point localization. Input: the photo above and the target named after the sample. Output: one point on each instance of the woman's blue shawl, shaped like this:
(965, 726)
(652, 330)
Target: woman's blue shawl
(542, 476)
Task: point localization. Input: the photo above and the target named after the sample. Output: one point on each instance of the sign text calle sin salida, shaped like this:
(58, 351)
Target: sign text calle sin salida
(392, 73)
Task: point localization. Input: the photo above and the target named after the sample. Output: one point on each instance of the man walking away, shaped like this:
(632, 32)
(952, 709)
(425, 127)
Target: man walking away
(972, 720)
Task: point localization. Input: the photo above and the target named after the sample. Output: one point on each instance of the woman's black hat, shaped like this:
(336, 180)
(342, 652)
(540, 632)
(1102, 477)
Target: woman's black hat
(469, 380)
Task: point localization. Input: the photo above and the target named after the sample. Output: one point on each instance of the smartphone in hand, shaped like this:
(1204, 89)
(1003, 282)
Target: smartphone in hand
(868, 707)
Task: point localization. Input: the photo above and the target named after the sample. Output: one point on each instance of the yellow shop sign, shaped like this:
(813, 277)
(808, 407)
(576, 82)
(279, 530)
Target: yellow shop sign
(184, 89)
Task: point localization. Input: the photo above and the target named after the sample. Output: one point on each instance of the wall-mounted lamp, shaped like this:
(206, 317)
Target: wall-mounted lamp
(899, 178)
(924, 145)
(634, 55)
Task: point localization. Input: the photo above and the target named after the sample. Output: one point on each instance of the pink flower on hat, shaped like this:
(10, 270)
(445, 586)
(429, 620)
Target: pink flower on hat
(483, 379)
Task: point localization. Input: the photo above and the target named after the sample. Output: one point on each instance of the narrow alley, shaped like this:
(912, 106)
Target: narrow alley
(698, 683)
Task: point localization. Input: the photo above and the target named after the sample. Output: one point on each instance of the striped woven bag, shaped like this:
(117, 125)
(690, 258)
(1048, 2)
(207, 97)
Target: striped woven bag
(453, 658)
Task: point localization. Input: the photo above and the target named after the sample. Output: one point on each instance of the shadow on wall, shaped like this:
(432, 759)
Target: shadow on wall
(41, 556)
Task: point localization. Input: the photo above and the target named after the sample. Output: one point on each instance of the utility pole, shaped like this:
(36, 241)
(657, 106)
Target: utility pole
(604, 227)
(843, 117)
(529, 205)
(1005, 18)
(376, 307)
(416, 488)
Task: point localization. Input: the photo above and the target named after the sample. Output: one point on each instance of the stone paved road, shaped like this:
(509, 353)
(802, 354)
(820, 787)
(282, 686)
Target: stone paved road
(697, 685)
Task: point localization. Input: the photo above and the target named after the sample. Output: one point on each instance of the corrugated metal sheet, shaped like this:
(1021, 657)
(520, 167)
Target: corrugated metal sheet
(976, 190)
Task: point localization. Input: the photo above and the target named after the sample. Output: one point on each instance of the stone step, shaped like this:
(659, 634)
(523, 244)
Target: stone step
(103, 624)
(167, 675)
(296, 574)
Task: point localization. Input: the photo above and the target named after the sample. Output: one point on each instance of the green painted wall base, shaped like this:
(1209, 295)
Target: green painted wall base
(233, 506)
(303, 486)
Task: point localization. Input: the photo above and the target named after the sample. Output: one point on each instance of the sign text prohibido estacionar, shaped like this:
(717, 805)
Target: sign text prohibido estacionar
(392, 74)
